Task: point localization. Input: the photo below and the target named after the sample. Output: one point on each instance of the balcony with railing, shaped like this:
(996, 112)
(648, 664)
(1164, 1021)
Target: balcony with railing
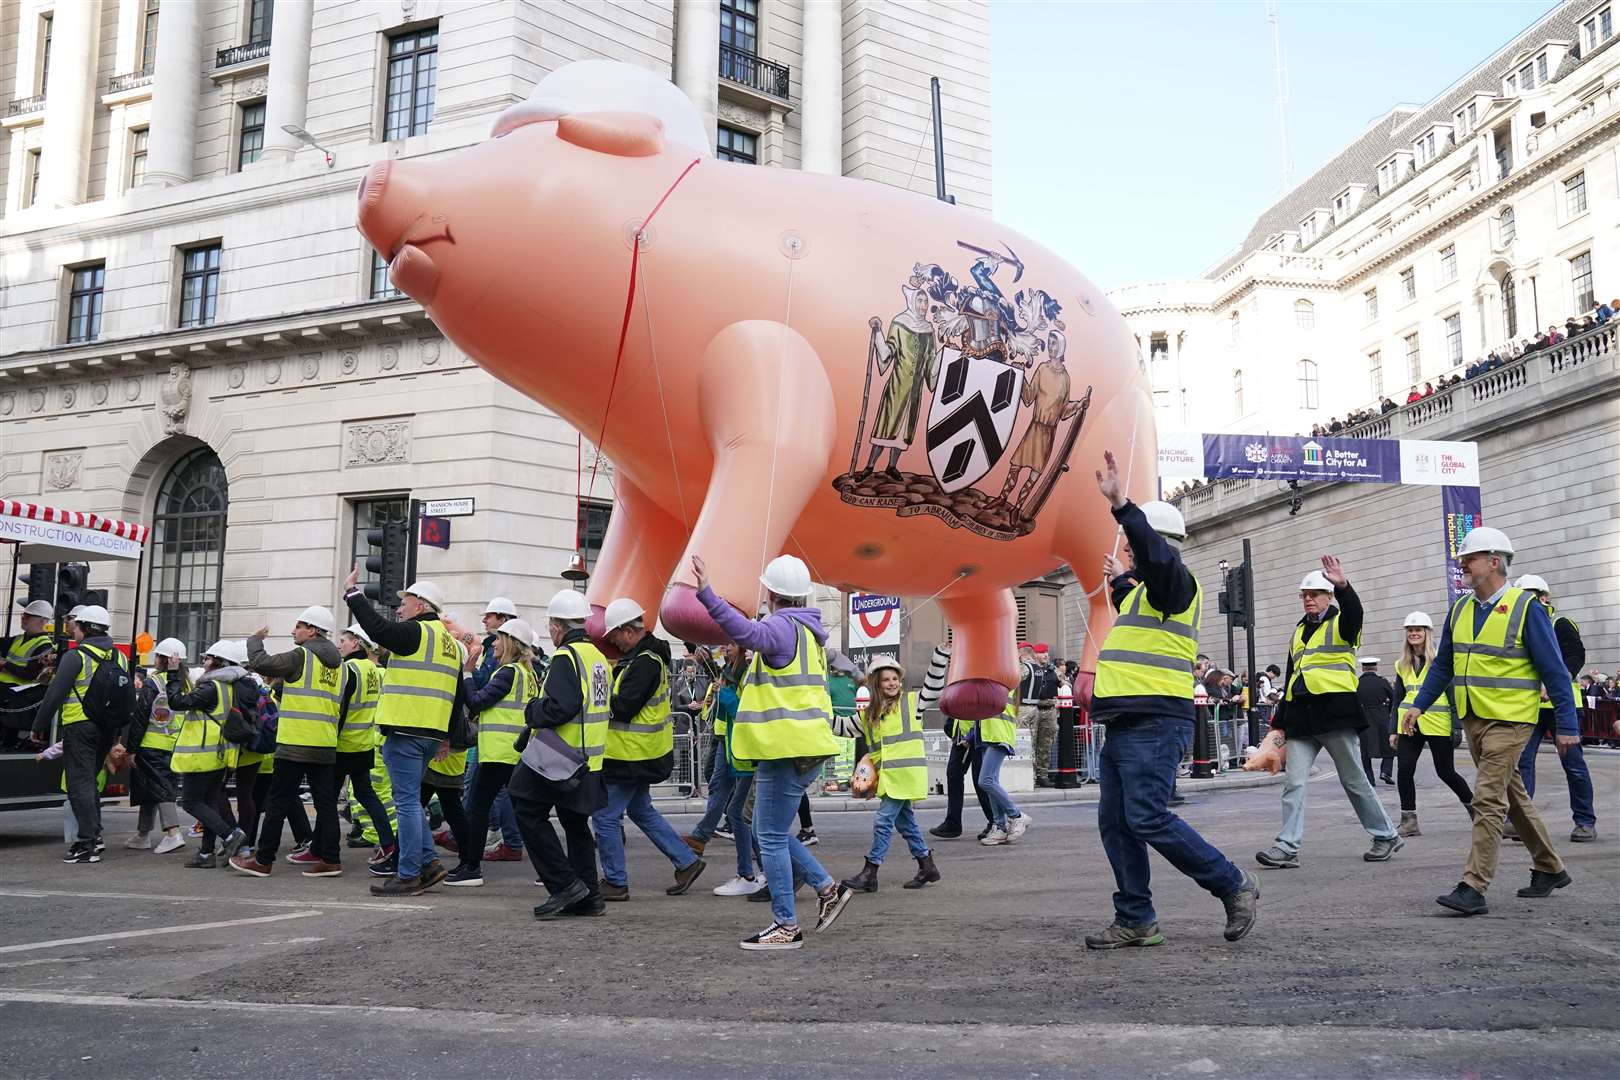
(24, 106)
(242, 54)
(754, 72)
(130, 80)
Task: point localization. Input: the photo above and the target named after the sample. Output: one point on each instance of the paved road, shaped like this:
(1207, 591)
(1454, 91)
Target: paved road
(1354, 969)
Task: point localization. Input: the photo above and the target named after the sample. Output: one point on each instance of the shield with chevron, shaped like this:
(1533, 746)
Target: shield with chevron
(970, 420)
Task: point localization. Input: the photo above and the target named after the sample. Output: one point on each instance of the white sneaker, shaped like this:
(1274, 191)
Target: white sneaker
(739, 886)
(139, 841)
(996, 835)
(170, 842)
(1018, 827)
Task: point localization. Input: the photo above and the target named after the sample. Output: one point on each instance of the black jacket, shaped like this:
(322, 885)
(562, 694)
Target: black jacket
(1377, 699)
(637, 675)
(1311, 714)
(400, 638)
(1573, 650)
(560, 702)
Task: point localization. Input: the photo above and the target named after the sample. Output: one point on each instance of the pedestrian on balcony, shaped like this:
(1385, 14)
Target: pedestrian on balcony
(1414, 396)
(1553, 336)
(1604, 312)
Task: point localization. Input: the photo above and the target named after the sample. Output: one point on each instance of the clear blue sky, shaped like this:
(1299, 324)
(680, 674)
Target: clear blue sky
(1140, 140)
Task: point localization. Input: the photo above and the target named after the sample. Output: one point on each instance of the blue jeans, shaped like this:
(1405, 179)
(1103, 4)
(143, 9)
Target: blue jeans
(1344, 747)
(406, 758)
(778, 787)
(742, 834)
(608, 824)
(500, 811)
(721, 784)
(1575, 771)
(1138, 766)
(895, 814)
(1002, 809)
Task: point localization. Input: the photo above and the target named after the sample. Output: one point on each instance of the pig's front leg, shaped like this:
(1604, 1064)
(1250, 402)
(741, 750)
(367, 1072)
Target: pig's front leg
(768, 414)
(638, 555)
(984, 665)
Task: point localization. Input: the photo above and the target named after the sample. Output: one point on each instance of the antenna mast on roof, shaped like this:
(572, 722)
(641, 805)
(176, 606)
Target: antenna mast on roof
(1281, 73)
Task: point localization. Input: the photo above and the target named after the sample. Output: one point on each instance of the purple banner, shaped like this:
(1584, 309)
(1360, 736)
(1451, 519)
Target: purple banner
(1302, 457)
(1459, 507)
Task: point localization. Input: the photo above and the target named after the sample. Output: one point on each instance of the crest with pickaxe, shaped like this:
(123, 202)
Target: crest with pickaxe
(1010, 257)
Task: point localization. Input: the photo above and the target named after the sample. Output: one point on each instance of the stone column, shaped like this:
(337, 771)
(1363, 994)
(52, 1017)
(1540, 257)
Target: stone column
(1146, 338)
(69, 101)
(697, 57)
(821, 88)
(176, 81)
(289, 78)
(1178, 393)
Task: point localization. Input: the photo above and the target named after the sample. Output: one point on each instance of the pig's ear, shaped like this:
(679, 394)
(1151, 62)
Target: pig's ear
(622, 134)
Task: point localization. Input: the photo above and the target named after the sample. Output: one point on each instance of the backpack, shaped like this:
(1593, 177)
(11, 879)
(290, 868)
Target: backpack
(253, 719)
(109, 696)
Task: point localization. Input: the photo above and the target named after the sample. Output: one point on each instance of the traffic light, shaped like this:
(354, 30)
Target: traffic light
(390, 544)
(1235, 600)
(40, 581)
(97, 597)
(71, 581)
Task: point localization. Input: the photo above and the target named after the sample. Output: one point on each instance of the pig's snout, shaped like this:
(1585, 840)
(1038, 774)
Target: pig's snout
(393, 204)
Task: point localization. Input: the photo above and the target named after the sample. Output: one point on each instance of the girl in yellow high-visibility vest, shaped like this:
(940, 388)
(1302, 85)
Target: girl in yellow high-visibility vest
(1438, 729)
(154, 787)
(894, 739)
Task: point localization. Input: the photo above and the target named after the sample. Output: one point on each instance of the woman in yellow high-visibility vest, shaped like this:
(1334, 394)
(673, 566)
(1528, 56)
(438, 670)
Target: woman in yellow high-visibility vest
(893, 725)
(153, 787)
(1437, 729)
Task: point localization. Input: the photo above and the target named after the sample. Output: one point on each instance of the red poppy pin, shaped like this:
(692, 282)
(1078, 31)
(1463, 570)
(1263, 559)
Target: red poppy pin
(1501, 609)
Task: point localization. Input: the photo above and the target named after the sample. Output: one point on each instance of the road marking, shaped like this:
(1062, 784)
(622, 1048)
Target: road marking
(49, 997)
(346, 905)
(125, 934)
(1575, 939)
(46, 960)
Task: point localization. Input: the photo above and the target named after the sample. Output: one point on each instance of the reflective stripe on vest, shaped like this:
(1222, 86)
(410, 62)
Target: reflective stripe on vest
(309, 705)
(360, 721)
(1435, 721)
(1328, 667)
(500, 725)
(897, 739)
(785, 712)
(1001, 730)
(419, 688)
(596, 691)
(1149, 653)
(649, 734)
(201, 746)
(1492, 676)
(19, 653)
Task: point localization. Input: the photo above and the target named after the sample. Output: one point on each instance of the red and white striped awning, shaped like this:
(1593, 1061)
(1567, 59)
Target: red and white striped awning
(52, 534)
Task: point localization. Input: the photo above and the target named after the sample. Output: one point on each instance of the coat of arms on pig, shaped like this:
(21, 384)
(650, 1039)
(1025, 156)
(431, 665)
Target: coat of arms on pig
(770, 369)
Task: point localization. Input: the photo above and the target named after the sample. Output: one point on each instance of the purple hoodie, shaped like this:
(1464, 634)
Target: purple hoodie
(774, 635)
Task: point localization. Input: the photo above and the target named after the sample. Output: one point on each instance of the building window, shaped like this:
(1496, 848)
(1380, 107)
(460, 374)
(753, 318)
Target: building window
(1448, 263)
(251, 143)
(591, 529)
(381, 287)
(1304, 315)
(1237, 393)
(1375, 372)
(34, 159)
(1510, 307)
(1541, 68)
(1414, 359)
(188, 551)
(1307, 384)
(413, 80)
(733, 145)
(1507, 226)
(374, 514)
(47, 22)
(1371, 297)
(1527, 77)
(739, 25)
(1454, 349)
(199, 285)
(1408, 285)
(1580, 278)
(137, 156)
(1232, 324)
(260, 15)
(1575, 194)
(84, 303)
(149, 23)
(1597, 29)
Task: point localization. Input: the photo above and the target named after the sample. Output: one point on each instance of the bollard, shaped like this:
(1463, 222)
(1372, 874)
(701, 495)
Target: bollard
(1203, 748)
(1067, 774)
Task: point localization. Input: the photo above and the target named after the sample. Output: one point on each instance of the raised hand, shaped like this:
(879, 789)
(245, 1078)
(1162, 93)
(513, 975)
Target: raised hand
(1108, 482)
(1333, 570)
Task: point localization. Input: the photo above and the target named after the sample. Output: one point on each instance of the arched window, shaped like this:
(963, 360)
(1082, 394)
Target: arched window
(1232, 322)
(188, 552)
(1307, 384)
(1510, 307)
(1506, 227)
(1237, 393)
(1304, 314)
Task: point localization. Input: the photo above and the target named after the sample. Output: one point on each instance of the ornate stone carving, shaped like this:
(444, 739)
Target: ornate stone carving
(377, 442)
(407, 10)
(8, 404)
(388, 358)
(272, 372)
(310, 365)
(348, 361)
(70, 396)
(430, 352)
(99, 391)
(254, 87)
(235, 376)
(174, 398)
(62, 470)
(730, 112)
(132, 387)
(36, 400)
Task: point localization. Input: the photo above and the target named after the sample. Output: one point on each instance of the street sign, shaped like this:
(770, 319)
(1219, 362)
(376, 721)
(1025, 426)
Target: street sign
(448, 507)
(436, 532)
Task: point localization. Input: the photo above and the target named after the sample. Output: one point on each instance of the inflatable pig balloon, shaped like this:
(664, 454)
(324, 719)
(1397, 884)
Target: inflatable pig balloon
(903, 393)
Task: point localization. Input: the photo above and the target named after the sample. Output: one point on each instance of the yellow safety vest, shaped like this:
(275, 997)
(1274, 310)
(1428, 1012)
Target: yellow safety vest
(201, 744)
(452, 768)
(419, 688)
(22, 648)
(73, 707)
(1437, 719)
(309, 705)
(590, 732)
(1492, 676)
(500, 725)
(895, 742)
(1574, 677)
(648, 735)
(1329, 666)
(161, 736)
(785, 712)
(1001, 730)
(1150, 653)
(360, 722)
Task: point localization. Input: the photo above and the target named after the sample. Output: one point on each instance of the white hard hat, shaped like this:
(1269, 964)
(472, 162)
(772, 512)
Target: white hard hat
(1418, 618)
(568, 605)
(428, 593)
(622, 612)
(1316, 581)
(1533, 581)
(1486, 540)
(519, 631)
(1369, 660)
(94, 614)
(238, 651)
(73, 612)
(787, 576)
(1165, 519)
(881, 661)
(354, 628)
(232, 652)
(173, 648)
(501, 606)
(318, 617)
(42, 608)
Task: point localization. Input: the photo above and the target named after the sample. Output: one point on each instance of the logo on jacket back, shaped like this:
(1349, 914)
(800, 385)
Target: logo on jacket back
(601, 686)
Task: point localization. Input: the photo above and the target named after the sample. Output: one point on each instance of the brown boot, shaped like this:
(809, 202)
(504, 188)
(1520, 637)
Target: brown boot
(695, 844)
(865, 881)
(926, 872)
(1409, 824)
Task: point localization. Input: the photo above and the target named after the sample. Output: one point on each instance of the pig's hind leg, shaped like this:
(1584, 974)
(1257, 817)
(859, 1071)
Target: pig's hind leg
(984, 663)
(767, 411)
(639, 553)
